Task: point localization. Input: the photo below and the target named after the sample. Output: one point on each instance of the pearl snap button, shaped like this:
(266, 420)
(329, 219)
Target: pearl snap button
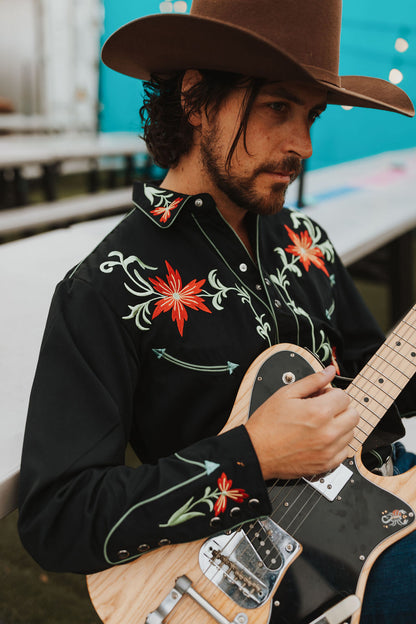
(215, 522)
(243, 267)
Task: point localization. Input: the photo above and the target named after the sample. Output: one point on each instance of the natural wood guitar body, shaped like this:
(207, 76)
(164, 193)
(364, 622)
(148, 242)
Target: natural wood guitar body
(126, 594)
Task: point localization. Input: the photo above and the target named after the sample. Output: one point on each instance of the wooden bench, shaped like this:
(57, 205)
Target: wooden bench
(362, 205)
(26, 220)
(52, 152)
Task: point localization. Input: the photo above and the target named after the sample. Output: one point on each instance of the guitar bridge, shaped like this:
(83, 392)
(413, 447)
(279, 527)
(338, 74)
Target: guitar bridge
(183, 586)
(247, 564)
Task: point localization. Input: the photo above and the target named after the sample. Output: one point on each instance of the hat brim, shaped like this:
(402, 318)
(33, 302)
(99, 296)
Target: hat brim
(160, 44)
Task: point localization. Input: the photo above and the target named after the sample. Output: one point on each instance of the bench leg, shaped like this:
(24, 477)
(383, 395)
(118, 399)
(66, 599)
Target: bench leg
(20, 188)
(129, 171)
(93, 177)
(49, 181)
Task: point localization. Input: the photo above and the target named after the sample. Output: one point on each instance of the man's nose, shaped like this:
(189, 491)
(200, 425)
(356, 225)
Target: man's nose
(299, 141)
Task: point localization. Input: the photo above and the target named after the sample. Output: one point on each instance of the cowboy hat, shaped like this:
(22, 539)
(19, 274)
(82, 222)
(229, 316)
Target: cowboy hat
(271, 39)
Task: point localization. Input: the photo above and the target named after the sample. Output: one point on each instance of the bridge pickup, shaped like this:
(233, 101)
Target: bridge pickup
(331, 484)
(247, 564)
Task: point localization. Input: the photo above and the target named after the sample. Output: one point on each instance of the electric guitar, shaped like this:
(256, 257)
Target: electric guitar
(308, 562)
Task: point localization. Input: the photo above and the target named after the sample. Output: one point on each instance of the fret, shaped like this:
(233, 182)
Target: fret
(393, 356)
(374, 388)
(407, 349)
(391, 375)
(405, 331)
(402, 360)
(408, 322)
(366, 400)
(380, 382)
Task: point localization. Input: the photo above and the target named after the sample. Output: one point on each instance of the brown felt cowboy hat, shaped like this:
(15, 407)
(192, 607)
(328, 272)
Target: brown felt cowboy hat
(272, 39)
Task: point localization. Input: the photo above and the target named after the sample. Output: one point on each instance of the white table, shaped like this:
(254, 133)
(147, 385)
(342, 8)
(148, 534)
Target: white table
(18, 150)
(50, 151)
(357, 220)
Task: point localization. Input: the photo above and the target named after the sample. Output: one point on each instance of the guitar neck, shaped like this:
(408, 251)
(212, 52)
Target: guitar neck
(383, 378)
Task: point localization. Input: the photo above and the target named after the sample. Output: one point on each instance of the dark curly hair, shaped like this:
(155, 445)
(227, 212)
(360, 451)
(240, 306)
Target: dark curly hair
(166, 127)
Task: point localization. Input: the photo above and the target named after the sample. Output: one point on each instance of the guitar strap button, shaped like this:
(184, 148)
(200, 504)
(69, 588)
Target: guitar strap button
(215, 522)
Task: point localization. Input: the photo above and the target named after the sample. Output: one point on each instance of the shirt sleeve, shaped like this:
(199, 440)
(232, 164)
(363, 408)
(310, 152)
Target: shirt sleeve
(81, 508)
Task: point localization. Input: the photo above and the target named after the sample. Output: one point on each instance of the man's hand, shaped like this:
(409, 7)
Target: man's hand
(304, 428)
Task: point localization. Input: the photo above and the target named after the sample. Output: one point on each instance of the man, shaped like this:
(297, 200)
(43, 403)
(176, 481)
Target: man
(148, 339)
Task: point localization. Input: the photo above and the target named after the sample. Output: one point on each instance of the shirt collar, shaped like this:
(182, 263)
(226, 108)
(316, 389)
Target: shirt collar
(161, 205)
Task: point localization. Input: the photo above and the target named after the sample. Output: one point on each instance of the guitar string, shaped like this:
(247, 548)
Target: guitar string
(281, 490)
(254, 527)
(314, 493)
(367, 407)
(389, 363)
(384, 375)
(412, 361)
(379, 388)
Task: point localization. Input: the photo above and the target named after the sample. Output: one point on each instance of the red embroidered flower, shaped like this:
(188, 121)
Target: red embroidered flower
(334, 360)
(175, 297)
(237, 494)
(166, 210)
(302, 247)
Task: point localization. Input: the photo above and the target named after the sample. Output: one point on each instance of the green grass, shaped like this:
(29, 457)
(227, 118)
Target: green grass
(28, 595)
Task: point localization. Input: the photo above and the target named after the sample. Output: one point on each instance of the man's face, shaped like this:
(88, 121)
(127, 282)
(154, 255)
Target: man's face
(277, 140)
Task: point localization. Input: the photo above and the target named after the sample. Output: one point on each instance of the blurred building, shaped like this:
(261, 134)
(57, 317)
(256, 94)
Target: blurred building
(50, 66)
(49, 51)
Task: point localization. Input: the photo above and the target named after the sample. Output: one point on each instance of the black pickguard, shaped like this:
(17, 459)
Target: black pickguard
(337, 536)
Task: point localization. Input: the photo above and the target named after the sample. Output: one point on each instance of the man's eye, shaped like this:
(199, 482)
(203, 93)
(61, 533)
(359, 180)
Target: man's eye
(279, 107)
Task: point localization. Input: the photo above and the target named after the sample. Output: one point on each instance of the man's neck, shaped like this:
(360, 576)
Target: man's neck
(190, 178)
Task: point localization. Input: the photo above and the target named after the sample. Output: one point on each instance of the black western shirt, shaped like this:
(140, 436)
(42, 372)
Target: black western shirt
(147, 342)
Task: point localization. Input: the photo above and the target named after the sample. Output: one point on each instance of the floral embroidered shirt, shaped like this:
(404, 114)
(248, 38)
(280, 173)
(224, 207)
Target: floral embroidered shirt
(147, 342)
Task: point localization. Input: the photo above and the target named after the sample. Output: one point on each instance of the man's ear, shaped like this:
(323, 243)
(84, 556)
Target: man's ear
(190, 79)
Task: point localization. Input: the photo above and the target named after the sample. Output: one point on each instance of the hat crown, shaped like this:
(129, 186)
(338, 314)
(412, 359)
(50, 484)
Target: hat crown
(288, 24)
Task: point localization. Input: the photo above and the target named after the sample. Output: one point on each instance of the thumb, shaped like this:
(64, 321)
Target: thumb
(312, 384)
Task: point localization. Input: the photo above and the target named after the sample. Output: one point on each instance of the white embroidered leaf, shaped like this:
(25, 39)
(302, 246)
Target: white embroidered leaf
(183, 518)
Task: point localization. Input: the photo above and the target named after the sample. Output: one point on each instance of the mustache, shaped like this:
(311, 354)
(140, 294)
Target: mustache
(291, 165)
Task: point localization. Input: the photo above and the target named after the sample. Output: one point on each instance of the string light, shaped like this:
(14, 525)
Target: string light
(347, 108)
(168, 6)
(180, 6)
(395, 76)
(401, 45)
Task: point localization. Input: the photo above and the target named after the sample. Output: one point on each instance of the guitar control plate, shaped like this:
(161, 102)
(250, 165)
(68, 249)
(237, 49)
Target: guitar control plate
(247, 564)
(331, 484)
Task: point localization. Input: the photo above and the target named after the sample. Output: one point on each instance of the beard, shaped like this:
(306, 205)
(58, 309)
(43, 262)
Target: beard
(241, 189)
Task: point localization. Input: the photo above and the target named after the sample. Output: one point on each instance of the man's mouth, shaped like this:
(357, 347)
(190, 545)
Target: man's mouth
(283, 176)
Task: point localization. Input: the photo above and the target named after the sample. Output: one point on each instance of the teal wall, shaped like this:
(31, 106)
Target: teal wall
(370, 29)
(120, 96)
